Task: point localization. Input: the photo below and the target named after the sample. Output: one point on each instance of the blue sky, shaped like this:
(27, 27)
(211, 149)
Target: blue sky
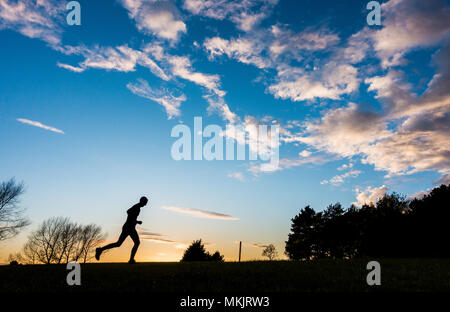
(87, 112)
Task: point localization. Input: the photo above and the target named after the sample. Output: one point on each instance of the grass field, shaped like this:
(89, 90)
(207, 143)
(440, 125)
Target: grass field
(403, 275)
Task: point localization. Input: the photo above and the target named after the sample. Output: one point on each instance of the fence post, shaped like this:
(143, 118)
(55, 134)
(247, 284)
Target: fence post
(240, 247)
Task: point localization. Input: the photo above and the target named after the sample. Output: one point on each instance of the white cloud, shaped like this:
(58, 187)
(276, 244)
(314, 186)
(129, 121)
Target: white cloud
(170, 102)
(181, 66)
(70, 67)
(370, 195)
(247, 21)
(286, 40)
(39, 125)
(160, 239)
(305, 153)
(301, 88)
(339, 179)
(261, 246)
(155, 17)
(445, 179)
(218, 105)
(345, 167)
(263, 49)
(345, 131)
(34, 19)
(243, 50)
(210, 8)
(356, 47)
(236, 175)
(297, 85)
(200, 213)
(409, 24)
(121, 58)
(417, 144)
(419, 195)
(245, 14)
(408, 152)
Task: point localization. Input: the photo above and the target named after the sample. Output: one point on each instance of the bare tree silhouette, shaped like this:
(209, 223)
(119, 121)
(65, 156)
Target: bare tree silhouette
(58, 240)
(270, 252)
(89, 238)
(11, 215)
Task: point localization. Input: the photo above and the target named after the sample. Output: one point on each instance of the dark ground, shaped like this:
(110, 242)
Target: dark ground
(404, 275)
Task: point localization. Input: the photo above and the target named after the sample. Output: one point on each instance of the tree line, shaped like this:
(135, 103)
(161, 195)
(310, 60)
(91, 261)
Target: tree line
(392, 227)
(59, 240)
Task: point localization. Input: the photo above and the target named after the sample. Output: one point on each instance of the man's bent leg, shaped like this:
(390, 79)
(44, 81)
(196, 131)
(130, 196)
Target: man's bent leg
(119, 242)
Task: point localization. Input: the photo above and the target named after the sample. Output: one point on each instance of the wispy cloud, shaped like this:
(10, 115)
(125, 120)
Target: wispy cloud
(236, 175)
(256, 245)
(200, 213)
(305, 153)
(286, 163)
(39, 125)
(70, 67)
(245, 14)
(299, 85)
(121, 58)
(170, 102)
(345, 167)
(151, 234)
(181, 66)
(178, 245)
(161, 239)
(339, 179)
(242, 49)
(34, 19)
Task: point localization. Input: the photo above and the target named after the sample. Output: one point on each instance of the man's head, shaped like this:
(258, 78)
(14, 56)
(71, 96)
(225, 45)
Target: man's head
(143, 201)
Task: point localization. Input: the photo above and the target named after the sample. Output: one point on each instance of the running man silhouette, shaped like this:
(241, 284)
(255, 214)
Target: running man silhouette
(129, 228)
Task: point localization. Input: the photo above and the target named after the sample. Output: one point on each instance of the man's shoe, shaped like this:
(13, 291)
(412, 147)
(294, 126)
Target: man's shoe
(98, 252)
(132, 261)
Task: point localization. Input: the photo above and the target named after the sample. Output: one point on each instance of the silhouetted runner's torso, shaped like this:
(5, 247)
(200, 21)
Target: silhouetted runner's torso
(129, 228)
(133, 213)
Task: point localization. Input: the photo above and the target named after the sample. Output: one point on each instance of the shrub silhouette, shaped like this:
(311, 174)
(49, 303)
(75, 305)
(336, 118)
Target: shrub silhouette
(196, 252)
(217, 257)
(393, 227)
